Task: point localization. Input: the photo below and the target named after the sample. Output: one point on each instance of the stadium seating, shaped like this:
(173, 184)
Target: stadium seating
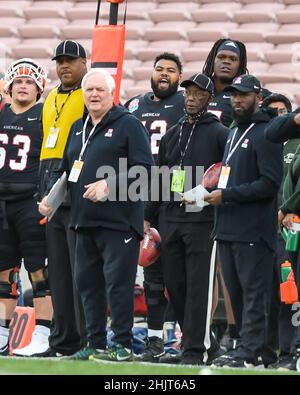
(269, 28)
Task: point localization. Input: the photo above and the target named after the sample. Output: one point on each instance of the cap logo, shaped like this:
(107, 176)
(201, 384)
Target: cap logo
(238, 80)
(231, 44)
(256, 87)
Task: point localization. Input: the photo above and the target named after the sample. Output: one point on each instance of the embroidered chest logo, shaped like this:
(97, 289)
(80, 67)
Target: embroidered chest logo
(245, 143)
(109, 133)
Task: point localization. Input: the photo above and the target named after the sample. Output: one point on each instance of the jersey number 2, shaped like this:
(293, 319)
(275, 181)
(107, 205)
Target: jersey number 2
(21, 141)
(157, 130)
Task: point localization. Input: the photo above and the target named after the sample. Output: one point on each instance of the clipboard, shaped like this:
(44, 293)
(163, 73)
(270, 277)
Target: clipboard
(57, 194)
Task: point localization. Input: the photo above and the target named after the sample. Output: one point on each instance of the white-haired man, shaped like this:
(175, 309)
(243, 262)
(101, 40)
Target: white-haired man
(108, 228)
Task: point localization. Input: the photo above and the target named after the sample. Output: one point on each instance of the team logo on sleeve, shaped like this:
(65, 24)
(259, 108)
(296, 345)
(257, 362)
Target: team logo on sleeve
(133, 105)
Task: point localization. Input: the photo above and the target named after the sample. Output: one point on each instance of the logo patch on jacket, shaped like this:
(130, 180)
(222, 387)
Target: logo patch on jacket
(245, 143)
(109, 133)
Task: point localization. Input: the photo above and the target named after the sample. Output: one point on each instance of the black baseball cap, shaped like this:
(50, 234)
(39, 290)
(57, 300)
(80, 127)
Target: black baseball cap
(244, 83)
(69, 48)
(201, 80)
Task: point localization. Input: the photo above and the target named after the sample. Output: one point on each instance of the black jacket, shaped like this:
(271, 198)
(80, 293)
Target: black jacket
(119, 135)
(206, 147)
(249, 209)
(283, 128)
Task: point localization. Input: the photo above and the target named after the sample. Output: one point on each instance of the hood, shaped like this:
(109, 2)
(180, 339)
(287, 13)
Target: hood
(205, 119)
(113, 114)
(262, 116)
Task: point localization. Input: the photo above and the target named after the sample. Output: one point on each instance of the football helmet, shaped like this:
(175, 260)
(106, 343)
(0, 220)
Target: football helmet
(149, 248)
(26, 67)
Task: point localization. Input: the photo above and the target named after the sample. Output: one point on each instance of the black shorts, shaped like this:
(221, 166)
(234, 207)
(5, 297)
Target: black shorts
(21, 235)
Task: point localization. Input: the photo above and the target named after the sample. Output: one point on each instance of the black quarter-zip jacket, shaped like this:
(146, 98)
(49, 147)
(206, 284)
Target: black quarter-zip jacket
(119, 135)
(206, 147)
(249, 209)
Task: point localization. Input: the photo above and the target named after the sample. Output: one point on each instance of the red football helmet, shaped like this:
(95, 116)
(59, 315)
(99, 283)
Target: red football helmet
(149, 248)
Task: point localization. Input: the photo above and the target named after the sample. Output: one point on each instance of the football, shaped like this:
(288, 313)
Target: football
(149, 248)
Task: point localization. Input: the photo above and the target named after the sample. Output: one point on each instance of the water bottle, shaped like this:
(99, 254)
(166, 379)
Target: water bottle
(286, 268)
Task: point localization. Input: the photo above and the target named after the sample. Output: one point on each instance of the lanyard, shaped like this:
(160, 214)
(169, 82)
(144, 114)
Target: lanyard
(182, 154)
(58, 112)
(85, 142)
(232, 150)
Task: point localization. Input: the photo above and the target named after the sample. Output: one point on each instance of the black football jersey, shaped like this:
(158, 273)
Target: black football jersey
(157, 116)
(20, 145)
(221, 107)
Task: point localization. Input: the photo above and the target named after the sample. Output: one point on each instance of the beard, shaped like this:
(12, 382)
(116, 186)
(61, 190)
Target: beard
(246, 114)
(163, 93)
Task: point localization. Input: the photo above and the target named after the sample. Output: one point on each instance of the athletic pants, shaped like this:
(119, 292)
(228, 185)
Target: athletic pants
(105, 272)
(189, 277)
(248, 271)
(68, 328)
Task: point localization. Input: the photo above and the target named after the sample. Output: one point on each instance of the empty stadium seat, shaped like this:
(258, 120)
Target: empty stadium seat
(34, 12)
(165, 15)
(279, 56)
(247, 35)
(291, 16)
(212, 35)
(149, 54)
(281, 37)
(39, 31)
(10, 11)
(264, 27)
(31, 51)
(267, 77)
(208, 15)
(246, 16)
(76, 32)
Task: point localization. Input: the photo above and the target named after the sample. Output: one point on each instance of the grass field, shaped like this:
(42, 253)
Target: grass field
(58, 367)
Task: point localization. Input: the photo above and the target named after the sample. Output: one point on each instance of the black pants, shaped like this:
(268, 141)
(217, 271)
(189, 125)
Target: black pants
(189, 277)
(159, 309)
(247, 270)
(105, 272)
(68, 328)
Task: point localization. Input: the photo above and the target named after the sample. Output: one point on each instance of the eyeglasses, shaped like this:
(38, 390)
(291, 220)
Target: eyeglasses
(195, 95)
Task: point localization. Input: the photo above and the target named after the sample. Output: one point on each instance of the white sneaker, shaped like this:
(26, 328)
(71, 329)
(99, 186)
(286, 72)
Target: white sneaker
(39, 343)
(4, 332)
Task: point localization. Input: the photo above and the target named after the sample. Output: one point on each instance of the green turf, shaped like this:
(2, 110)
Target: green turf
(56, 367)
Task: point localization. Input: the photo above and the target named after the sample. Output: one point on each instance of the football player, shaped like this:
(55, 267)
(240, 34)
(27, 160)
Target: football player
(226, 60)
(158, 111)
(21, 235)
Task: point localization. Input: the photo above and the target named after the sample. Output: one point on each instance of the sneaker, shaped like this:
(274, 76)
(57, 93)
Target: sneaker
(223, 359)
(49, 353)
(214, 355)
(238, 362)
(154, 349)
(38, 345)
(81, 355)
(170, 357)
(116, 353)
(4, 341)
(294, 363)
(282, 362)
(192, 360)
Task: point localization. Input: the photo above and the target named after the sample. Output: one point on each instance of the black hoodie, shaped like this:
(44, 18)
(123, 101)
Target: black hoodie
(119, 135)
(249, 209)
(206, 147)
